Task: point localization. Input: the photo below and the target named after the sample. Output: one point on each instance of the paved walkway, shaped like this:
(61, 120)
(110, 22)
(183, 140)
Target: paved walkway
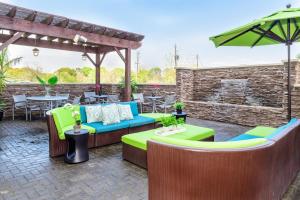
(27, 172)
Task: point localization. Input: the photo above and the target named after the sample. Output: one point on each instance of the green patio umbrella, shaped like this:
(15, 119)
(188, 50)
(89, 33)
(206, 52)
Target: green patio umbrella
(282, 27)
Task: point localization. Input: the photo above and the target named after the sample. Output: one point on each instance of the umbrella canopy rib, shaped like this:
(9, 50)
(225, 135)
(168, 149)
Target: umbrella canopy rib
(238, 35)
(265, 33)
(282, 30)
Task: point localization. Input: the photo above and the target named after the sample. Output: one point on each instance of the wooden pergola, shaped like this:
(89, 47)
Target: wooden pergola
(27, 27)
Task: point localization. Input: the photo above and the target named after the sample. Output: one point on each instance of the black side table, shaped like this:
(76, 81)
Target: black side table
(77, 146)
(181, 115)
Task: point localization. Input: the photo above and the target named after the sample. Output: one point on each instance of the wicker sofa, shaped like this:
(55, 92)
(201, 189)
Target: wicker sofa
(100, 134)
(258, 168)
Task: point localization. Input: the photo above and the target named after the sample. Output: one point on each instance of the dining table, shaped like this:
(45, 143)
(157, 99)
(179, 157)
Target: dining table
(48, 99)
(154, 100)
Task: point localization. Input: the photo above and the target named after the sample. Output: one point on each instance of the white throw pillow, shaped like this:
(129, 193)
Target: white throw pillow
(93, 113)
(110, 114)
(125, 112)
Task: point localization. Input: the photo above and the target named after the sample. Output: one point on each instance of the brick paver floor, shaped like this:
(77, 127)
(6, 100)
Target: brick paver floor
(27, 172)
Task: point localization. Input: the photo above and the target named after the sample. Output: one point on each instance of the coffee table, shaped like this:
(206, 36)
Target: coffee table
(135, 145)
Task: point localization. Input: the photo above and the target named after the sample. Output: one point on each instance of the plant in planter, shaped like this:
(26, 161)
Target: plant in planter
(170, 126)
(179, 106)
(51, 82)
(5, 64)
(76, 117)
(134, 85)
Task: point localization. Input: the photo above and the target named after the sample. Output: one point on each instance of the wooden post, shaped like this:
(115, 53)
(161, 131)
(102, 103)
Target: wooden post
(127, 91)
(97, 85)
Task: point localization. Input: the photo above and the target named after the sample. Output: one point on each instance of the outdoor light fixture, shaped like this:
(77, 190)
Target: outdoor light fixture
(79, 39)
(35, 51)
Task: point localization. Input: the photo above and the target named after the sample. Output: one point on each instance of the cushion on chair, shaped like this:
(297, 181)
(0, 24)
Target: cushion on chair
(210, 145)
(100, 128)
(125, 112)
(244, 137)
(261, 131)
(280, 129)
(63, 118)
(94, 113)
(139, 121)
(110, 114)
(156, 116)
(83, 114)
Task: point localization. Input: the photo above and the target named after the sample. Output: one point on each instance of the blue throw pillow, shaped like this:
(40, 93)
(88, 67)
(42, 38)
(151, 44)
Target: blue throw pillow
(282, 128)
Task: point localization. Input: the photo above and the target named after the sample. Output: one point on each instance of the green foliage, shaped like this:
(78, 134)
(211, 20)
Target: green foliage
(171, 121)
(178, 106)
(5, 64)
(52, 81)
(2, 105)
(134, 86)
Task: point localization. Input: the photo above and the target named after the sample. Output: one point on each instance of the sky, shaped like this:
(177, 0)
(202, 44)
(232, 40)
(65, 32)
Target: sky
(188, 24)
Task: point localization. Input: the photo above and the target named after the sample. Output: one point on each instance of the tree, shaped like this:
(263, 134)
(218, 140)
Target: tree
(5, 64)
(67, 75)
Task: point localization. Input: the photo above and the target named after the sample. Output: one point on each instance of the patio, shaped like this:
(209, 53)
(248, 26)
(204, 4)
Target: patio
(27, 172)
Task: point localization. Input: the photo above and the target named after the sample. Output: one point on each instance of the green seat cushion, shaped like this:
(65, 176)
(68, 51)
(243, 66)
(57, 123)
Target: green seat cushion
(90, 129)
(261, 131)
(139, 140)
(63, 118)
(210, 145)
(156, 116)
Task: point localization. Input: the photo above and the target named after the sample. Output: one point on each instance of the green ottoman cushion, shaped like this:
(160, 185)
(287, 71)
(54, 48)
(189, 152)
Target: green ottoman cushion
(156, 116)
(139, 140)
(261, 131)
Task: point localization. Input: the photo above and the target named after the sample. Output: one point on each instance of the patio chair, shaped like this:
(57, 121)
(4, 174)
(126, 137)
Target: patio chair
(20, 103)
(88, 97)
(168, 102)
(62, 102)
(76, 100)
(139, 98)
(113, 98)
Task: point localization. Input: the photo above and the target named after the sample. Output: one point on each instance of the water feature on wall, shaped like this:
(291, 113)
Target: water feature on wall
(234, 91)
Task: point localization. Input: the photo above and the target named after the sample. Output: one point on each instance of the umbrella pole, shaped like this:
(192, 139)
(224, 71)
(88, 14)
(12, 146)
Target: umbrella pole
(289, 82)
(289, 42)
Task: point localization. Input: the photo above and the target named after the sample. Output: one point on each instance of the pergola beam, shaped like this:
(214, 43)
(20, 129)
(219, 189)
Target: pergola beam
(12, 12)
(50, 45)
(11, 40)
(59, 32)
(120, 54)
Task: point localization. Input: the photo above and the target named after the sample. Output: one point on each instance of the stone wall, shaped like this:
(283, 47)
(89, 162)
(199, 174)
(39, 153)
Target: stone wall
(75, 90)
(264, 101)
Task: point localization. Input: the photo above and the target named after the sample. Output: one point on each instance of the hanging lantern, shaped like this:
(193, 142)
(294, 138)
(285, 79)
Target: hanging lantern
(35, 51)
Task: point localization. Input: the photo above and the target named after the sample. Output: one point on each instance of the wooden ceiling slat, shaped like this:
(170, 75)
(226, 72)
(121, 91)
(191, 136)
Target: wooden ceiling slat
(12, 12)
(31, 17)
(48, 20)
(64, 23)
(77, 26)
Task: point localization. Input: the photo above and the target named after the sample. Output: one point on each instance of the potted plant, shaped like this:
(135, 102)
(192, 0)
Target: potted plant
(179, 106)
(76, 117)
(133, 83)
(51, 82)
(5, 64)
(171, 125)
